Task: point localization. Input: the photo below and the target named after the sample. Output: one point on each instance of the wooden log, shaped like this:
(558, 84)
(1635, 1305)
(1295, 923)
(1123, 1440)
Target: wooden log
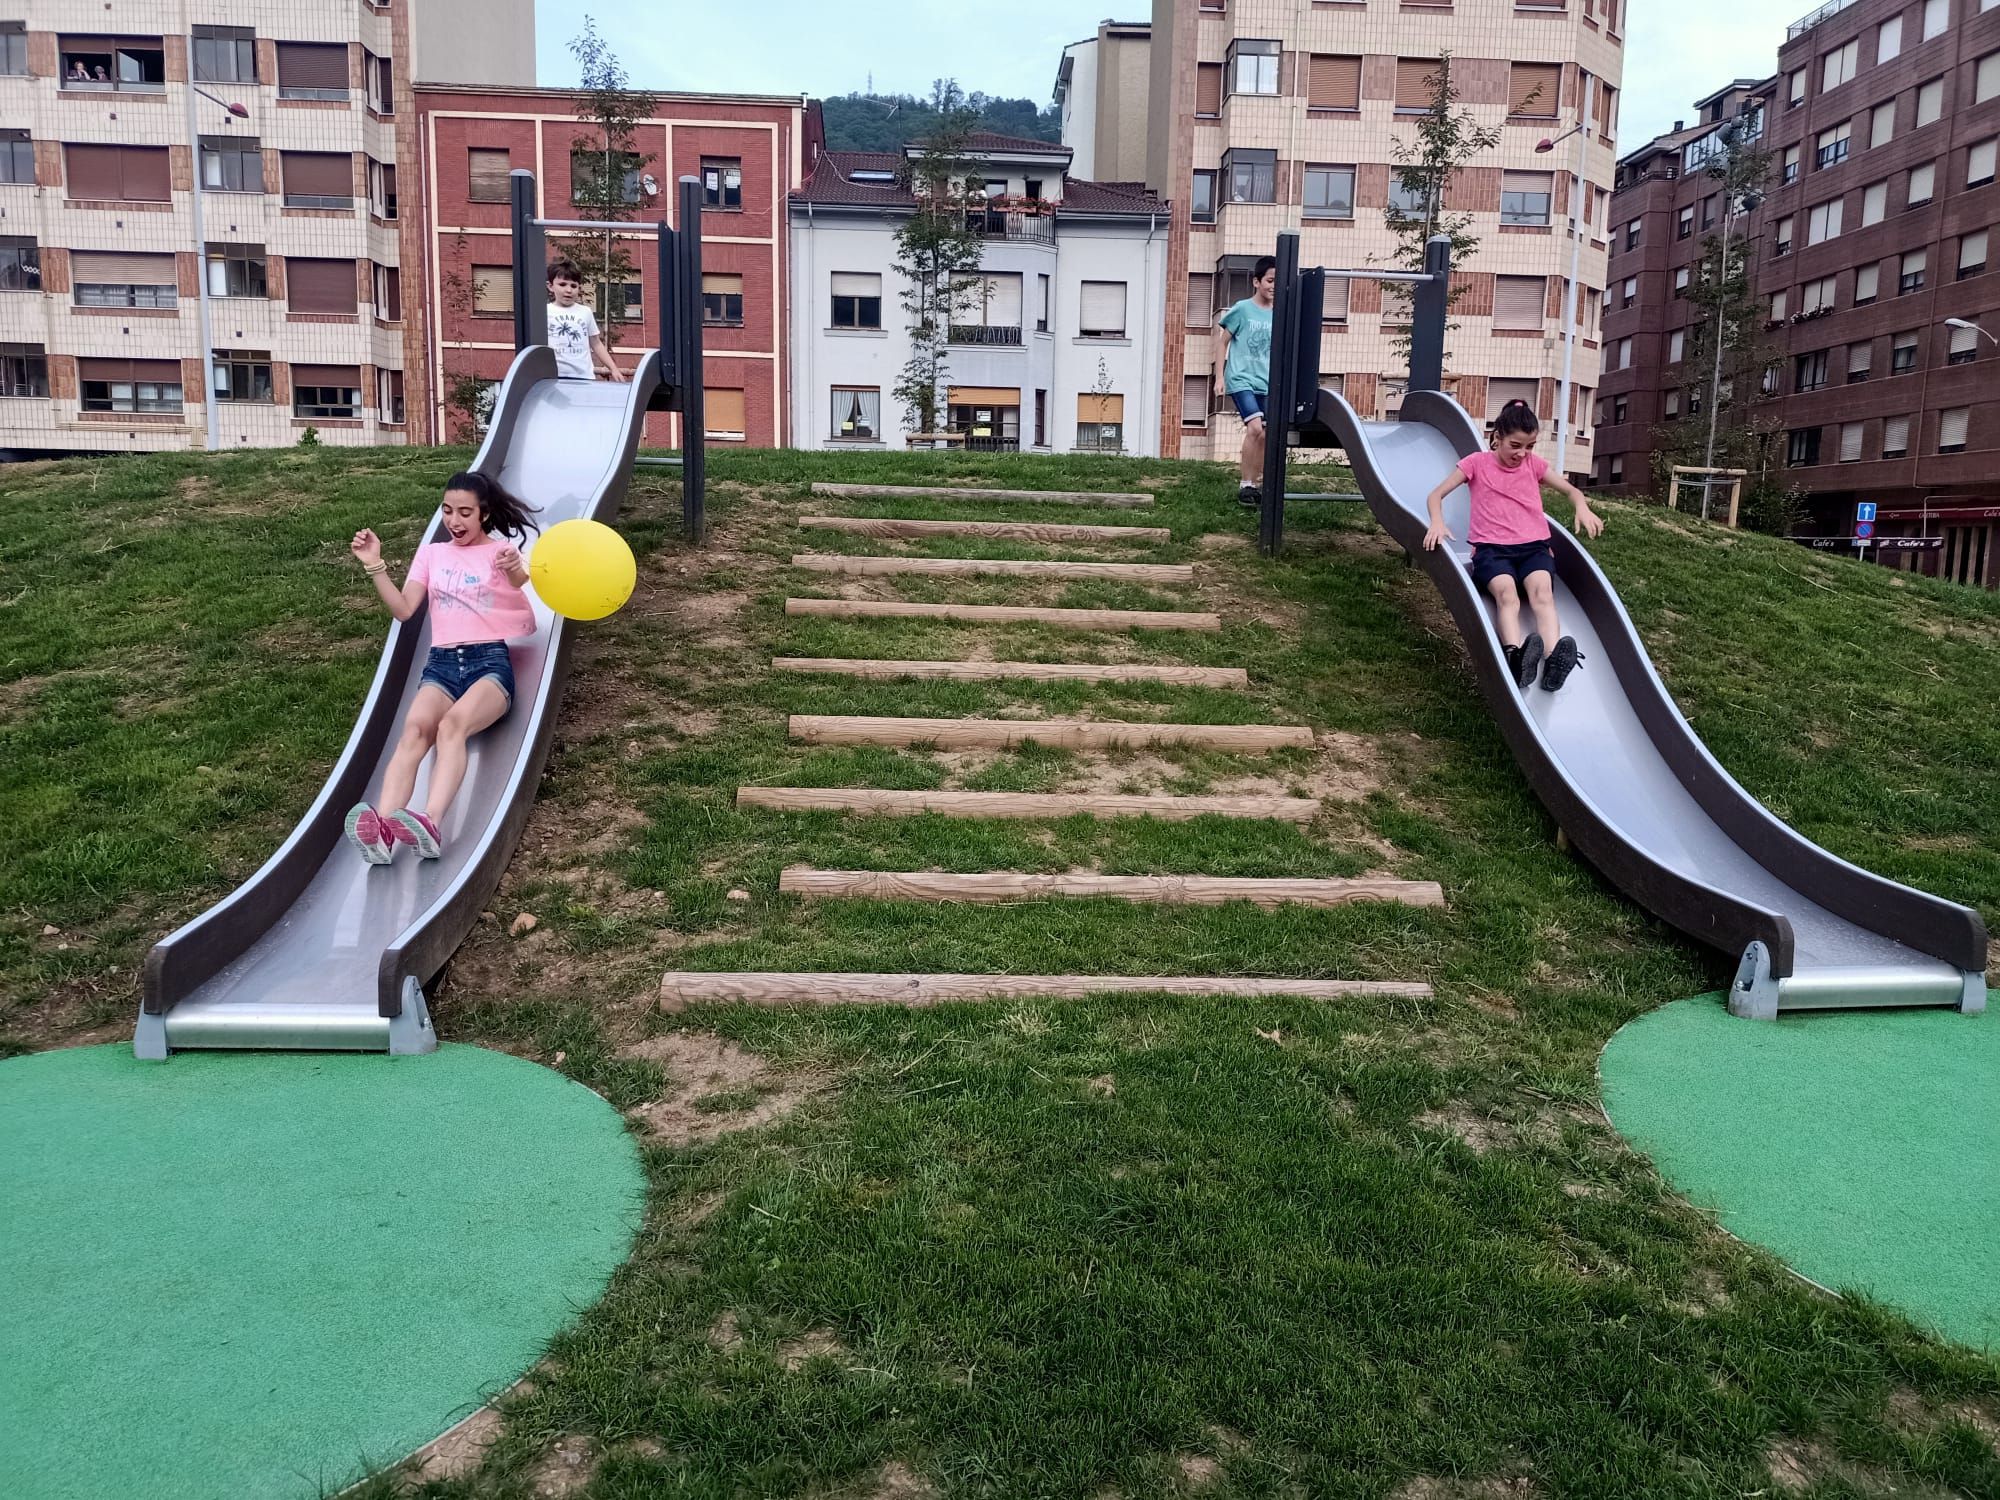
(1067, 734)
(1005, 614)
(989, 567)
(1033, 671)
(1016, 531)
(1165, 890)
(1044, 805)
(681, 989)
(946, 492)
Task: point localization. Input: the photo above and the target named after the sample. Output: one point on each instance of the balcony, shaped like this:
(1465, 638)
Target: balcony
(999, 224)
(987, 334)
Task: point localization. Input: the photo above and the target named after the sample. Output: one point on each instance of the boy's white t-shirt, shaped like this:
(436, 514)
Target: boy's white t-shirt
(570, 331)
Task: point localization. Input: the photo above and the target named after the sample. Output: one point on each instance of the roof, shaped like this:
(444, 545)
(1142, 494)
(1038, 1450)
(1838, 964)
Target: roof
(832, 183)
(1081, 196)
(986, 140)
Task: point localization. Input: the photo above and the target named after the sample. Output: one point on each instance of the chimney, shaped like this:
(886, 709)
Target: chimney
(1677, 125)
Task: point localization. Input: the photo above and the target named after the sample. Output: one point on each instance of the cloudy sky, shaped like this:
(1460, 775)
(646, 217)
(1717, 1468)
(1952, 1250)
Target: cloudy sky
(1676, 50)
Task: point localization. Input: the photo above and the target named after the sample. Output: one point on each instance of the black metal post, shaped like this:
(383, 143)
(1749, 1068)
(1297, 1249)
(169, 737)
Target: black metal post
(531, 259)
(669, 316)
(694, 418)
(1279, 398)
(1427, 317)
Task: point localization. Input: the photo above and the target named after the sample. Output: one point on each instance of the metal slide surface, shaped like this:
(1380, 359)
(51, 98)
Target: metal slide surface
(1639, 794)
(320, 950)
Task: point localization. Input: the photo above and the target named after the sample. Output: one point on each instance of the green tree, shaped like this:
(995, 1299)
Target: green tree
(1446, 142)
(888, 122)
(938, 254)
(605, 169)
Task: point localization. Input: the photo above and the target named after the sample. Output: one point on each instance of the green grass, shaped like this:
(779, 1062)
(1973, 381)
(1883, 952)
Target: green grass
(1280, 1254)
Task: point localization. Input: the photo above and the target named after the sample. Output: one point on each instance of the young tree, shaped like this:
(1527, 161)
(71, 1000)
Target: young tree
(606, 167)
(1101, 392)
(468, 398)
(938, 254)
(1446, 142)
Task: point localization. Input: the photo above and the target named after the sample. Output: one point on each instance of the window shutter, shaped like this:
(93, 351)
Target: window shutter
(1895, 435)
(1527, 182)
(723, 411)
(1334, 83)
(1200, 299)
(1194, 400)
(312, 65)
(119, 269)
(1874, 202)
(857, 284)
(981, 395)
(1095, 408)
(722, 283)
(1101, 307)
(342, 377)
(321, 286)
(1500, 392)
(1208, 89)
(1859, 358)
(1972, 250)
(493, 289)
(92, 171)
(1979, 161)
(1334, 309)
(1532, 88)
(168, 370)
(1003, 301)
(1412, 85)
(1850, 442)
(318, 174)
(487, 173)
(1923, 182)
(1952, 427)
(1518, 301)
(1964, 340)
(1867, 282)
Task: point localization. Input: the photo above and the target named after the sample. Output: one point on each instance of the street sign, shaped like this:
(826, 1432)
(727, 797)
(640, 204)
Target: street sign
(1865, 528)
(1879, 543)
(1865, 511)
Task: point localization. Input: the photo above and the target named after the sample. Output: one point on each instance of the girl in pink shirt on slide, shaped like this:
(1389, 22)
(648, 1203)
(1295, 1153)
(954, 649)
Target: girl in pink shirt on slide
(474, 583)
(1510, 542)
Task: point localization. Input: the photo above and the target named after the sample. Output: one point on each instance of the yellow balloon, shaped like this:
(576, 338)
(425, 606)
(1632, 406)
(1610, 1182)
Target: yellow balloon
(582, 569)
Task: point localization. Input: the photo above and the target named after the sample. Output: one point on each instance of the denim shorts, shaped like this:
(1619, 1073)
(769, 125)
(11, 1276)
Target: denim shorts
(1248, 403)
(456, 668)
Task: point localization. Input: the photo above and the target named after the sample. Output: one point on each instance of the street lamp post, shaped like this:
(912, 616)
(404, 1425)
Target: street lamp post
(236, 112)
(1581, 131)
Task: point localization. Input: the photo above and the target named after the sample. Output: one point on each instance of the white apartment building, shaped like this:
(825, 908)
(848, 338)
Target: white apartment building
(215, 176)
(1063, 350)
(1103, 89)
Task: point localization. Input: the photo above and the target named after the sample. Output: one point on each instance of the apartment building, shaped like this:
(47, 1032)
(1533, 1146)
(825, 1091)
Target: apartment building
(200, 215)
(1872, 249)
(749, 152)
(1061, 351)
(1103, 95)
(1270, 116)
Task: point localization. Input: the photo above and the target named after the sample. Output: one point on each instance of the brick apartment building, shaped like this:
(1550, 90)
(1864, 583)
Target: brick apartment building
(1883, 122)
(1267, 116)
(294, 119)
(750, 151)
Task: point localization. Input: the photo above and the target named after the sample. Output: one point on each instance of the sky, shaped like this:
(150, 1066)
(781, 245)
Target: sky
(1676, 50)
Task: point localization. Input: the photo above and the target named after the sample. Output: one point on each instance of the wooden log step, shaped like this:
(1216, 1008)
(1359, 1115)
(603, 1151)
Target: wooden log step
(1068, 734)
(1017, 531)
(1044, 805)
(1033, 671)
(947, 492)
(681, 989)
(1165, 890)
(990, 567)
(1005, 614)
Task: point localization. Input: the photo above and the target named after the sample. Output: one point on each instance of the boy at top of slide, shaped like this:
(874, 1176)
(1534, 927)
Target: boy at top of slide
(1243, 369)
(1509, 533)
(573, 334)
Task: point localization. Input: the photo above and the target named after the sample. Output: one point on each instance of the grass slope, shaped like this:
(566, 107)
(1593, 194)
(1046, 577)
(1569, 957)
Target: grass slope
(1119, 1247)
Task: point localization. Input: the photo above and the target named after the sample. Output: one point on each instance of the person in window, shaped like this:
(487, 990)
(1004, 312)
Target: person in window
(573, 334)
(102, 76)
(78, 73)
(1243, 369)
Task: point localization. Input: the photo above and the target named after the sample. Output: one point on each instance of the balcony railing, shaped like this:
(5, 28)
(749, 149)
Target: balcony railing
(1039, 229)
(984, 333)
(987, 443)
(1806, 23)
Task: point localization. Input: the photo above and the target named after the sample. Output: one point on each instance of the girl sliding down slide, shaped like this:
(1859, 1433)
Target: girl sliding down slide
(474, 583)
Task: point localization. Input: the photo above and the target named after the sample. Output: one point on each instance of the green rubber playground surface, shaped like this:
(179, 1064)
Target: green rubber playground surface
(253, 1275)
(1857, 1145)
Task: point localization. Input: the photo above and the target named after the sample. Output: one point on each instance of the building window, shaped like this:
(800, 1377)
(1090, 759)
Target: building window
(1831, 146)
(1860, 362)
(588, 182)
(1518, 302)
(1676, 346)
(13, 56)
(24, 371)
(380, 75)
(312, 70)
(224, 54)
(1100, 423)
(318, 179)
(237, 271)
(1882, 125)
(388, 292)
(1042, 302)
(1781, 237)
(328, 392)
(857, 299)
(1201, 198)
(1839, 65)
(1788, 165)
(1683, 223)
(1903, 353)
(1615, 468)
(1952, 425)
(1681, 281)
(1818, 295)
(492, 291)
(1252, 66)
(1708, 210)
(1630, 293)
(486, 174)
(1850, 442)
(20, 263)
(1937, 16)
(1971, 253)
(722, 183)
(1780, 304)
(232, 164)
(1802, 447)
(1333, 83)
(1532, 89)
(113, 65)
(1795, 88)
(1964, 347)
(1979, 161)
(723, 414)
(857, 413)
(1195, 391)
(1930, 101)
(242, 375)
(1923, 182)
(1810, 372)
(989, 420)
(1414, 89)
(389, 395)
(1329, 192)
(988, 309)
(103, 278)
(1041, 418)
(1525, 197)
(1621, 410)
(1888, 39)
(382, 190)
(1874, 203)
(1101, 310)
(1333, 309)
(1823, 222)
(722, 299)
(1208, 91)
(1866, 283)
(1250, 176)
(1633, 232)
(1986, 78)
(1895, 437)
(130, 385)
(17, 157)
(1200, 300)
(1915, 264)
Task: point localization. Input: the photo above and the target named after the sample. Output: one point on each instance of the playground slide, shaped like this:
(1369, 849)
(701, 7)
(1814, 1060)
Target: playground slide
(1640, 795)
(320, 950)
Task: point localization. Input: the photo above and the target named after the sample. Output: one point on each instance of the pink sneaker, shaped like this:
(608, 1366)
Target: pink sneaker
(414, 828)
(370, 834)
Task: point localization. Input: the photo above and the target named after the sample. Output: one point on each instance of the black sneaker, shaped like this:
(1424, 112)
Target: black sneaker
(1513, 655)
(1250, 496)
(1562, 661)
(1528, 662)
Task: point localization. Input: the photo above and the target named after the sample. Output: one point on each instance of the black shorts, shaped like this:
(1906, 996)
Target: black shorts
(1515, 560)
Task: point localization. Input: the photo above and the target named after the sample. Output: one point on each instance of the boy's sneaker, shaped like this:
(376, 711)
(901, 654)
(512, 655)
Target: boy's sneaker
(1250, 496)
(1562, 661)
(414, 828)
(369, 833)
(1528, 662)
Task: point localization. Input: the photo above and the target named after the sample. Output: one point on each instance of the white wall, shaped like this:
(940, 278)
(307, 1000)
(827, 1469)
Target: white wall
(1079, 114)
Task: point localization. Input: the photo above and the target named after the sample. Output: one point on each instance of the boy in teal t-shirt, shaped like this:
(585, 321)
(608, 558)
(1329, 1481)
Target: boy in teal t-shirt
(1243, 369)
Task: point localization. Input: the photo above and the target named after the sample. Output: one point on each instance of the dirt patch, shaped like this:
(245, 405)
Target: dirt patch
(724, 1334)
(1493, 1004)
(565, 1469)
(1238, 595)
(1794, 1466)
(1198, 1470)
(1103, 1086)
(1222, 541)
(1481, 1132)
(1706, 1293)
(1430, 1487)
(896, 1480)
(713, 1088)
(458, 1452)
(814, 1343)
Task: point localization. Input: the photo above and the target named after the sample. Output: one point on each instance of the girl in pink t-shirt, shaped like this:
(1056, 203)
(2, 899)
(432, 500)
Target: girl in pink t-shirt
(1510, 542)
(473, 583)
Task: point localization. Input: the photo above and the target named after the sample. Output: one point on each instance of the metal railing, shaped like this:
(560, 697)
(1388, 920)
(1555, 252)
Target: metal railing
(1806, 23)
(1034, 228)
(985, 333)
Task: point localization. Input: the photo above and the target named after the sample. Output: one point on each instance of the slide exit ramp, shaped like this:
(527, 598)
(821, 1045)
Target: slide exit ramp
(321, 950)
(1636, 790)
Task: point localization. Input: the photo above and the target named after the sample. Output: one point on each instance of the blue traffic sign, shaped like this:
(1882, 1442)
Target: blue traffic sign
(1864, 528)
(1865, 511)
